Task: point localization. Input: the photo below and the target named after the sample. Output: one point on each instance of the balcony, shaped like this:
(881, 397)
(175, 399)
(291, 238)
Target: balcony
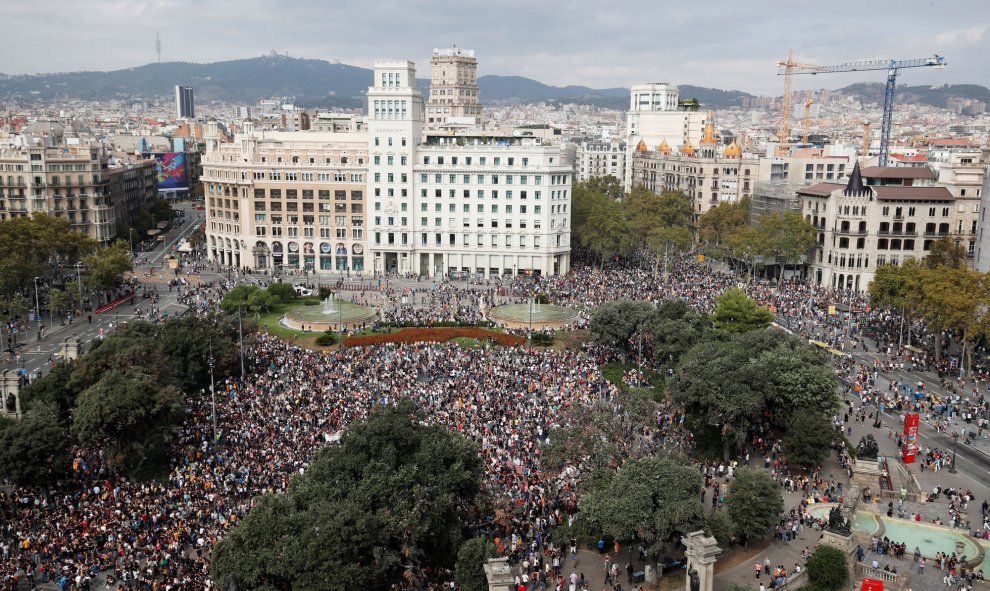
(851, 231)
(897, 232)
(930, 233)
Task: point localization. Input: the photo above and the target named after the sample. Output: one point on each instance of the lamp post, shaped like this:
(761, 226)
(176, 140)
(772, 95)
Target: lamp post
(529, 336)
(130, 236)
(240, 336)
(211, 362)
(37, 307)
(955, 444)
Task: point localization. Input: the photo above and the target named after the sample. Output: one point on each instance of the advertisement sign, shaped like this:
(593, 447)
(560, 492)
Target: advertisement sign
(872, 585)
(171, 170)
(910, 448)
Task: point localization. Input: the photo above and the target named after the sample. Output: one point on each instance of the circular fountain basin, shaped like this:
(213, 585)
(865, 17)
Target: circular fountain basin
(327, 316)
(543, 315)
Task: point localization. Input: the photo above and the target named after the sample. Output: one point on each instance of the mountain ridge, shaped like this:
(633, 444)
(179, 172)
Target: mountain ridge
(319, 83)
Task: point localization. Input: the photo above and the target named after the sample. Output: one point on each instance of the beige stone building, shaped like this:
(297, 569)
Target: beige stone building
(454, 98)
(879, 216)
(292, 201)
(75, 182)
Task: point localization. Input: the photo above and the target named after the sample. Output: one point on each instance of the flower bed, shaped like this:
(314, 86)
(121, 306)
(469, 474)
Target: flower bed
(435, 335)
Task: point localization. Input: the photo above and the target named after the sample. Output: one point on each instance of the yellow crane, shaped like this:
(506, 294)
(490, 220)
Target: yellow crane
(807, 120)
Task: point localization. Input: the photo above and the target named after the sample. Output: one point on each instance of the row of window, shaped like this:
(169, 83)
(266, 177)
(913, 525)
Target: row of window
(495, 240)
(293, 232)
(466, 222)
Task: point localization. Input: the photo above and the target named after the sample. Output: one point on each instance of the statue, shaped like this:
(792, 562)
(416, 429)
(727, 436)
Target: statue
(836, 522)
(867, 448)
(695, 581)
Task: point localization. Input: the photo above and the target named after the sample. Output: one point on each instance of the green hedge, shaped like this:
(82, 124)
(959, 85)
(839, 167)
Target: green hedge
(541, 339)
(326, 339)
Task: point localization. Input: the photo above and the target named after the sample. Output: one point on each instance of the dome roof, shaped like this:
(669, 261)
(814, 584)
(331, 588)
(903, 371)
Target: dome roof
(732, 151)
(45, 128)
(641, 147)
(664, 147)
(688, 149)
(709, 138)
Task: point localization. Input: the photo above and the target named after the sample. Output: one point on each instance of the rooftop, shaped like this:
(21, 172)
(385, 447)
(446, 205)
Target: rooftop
(898, 172)
(896, 193)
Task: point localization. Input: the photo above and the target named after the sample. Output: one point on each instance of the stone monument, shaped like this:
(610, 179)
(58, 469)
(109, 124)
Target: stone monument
(71, 349)
(10, 393)
(702, 552)
(499, 575)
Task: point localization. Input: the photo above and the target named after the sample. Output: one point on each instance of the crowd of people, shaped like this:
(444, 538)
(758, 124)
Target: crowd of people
(101, 526)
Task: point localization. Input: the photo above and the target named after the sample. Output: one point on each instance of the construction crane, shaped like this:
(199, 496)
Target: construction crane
(806, 124)
(784, 135)
(866, 143)
(789, 68)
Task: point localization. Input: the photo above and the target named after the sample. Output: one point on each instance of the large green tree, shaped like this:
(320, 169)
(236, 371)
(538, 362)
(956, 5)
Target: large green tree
(55, 391)
(471, 560)
(754, 503)
(613, 323)
(33, 450)
(606, 232)
(673, 330)
(649, 499)
(828, 568)
(380, 508)
(105, 270)
(130, 416)
(189, 341)
(737, 312)
(809, 439)
(720, 221)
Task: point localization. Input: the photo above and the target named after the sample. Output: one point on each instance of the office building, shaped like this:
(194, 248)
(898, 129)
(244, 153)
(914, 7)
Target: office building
(76, 182)
(184, 106)
(598, 159)
(454, 98)
(656, 116)
(287, 201)
(879, 216)
(460, 203)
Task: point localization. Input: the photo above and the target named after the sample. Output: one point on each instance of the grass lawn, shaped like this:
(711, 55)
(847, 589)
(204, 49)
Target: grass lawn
(269, 321)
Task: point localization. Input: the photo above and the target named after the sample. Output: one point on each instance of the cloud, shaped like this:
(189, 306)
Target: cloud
(726, 43)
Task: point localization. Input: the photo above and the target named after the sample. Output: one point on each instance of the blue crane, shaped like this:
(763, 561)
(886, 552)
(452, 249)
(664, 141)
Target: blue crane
(892, 66)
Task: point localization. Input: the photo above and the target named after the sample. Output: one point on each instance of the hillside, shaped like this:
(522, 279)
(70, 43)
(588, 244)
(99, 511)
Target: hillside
(935, 96)
(306, 82)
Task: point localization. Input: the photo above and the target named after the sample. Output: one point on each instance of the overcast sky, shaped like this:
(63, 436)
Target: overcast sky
(730, 44)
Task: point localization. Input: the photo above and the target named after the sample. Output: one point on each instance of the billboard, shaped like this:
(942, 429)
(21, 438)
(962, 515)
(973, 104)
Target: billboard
(910, 448)
(171, 170)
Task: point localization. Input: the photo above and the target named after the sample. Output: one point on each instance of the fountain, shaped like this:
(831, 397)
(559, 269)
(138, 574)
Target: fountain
(328, 314)
(328, 306)
(532, 313)
(534, 306)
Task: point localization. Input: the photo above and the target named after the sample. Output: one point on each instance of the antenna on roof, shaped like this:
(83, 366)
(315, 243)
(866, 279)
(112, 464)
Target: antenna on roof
(158, 46)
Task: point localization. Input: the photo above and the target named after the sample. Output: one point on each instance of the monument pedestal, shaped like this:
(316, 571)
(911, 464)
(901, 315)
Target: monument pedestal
(838, 540)
(866, 474)
(499, 575)
(702, 552)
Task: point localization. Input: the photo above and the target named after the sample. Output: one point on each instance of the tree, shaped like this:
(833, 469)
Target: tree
(747, 243)
(37, 246)
(719, 525)
(285, 292)
(828, 568)
(55, 391)
(737, 312)
(956, 298)
(33, 450)
(754, 503)
(58, 303)
(946, 253)
(187, 343)
(471, 564)
(787, 236)
(646, 210)
(647, 499)
(673, 330)
(380, 508)
(130, 415)
(722, 220)
(105, 269)
(612, 324)
(136, 346)
(606, 232)
(809, 439)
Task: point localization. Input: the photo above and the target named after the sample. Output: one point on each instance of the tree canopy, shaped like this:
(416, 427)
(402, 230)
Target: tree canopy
(33, 450)
(380, 508)
(737, 312)
(754, 503)
(722, 220)
(649, 499)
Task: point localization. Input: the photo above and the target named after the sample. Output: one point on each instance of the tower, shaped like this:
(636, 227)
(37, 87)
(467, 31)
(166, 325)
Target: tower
(395, 124)
(453, 88)
(185, 108)
(158, 46)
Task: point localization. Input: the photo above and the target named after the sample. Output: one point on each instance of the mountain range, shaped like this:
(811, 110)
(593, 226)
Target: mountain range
(319, 83)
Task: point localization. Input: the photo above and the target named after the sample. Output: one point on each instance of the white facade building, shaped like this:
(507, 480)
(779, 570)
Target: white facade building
(655, 117)
(597, 159)
(459, 204)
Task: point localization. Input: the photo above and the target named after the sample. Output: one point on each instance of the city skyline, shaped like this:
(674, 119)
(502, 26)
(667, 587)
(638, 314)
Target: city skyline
(571, 43)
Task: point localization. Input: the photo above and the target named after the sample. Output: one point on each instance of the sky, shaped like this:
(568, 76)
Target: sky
(728, 44)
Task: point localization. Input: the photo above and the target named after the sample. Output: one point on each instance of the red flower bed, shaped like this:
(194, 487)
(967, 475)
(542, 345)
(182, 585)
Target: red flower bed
(435, 335)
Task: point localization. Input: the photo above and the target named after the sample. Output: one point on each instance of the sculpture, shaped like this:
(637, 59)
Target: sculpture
(837, 522)
(867, 448)
(695, 581)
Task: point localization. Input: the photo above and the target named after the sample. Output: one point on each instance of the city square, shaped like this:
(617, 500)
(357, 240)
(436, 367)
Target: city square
(430, 327)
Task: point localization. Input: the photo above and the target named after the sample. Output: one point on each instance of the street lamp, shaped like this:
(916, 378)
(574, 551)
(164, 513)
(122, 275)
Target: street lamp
(210, 361)
(240, 336)
(37, 307)
(955, 443)
(130, 235)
